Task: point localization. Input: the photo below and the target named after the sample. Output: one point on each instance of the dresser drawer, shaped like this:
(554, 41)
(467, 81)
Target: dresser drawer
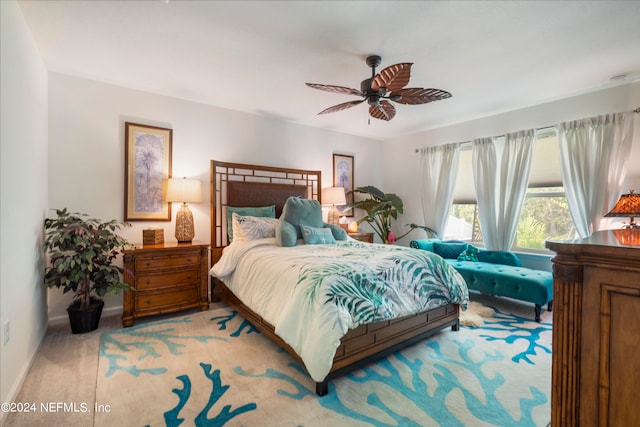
(170, 299)
(158, 263)
(167, 279)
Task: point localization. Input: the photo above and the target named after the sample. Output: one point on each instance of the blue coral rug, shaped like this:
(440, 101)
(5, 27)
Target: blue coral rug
(214, 368)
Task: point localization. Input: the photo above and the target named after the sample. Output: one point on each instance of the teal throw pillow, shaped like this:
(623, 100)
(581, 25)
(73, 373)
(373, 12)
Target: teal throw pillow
(449, 249)
(286, 234)
(317, 236)
(261, 211)
(337, 231)
(424, 244)
(469, 254)
(297, 211)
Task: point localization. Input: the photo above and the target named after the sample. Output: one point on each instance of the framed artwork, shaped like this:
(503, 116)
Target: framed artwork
(343, 177)
(147, 167)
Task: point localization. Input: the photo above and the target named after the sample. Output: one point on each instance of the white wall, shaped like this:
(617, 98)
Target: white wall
(86, 152)
(23, 200)
(402, 171)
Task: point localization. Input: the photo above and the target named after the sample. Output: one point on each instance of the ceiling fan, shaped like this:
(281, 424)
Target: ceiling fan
(388, 84)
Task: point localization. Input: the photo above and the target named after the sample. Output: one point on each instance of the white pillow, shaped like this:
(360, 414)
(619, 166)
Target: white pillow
(246, 228)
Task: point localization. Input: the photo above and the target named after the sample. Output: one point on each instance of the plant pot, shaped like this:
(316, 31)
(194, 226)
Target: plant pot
(85, 320)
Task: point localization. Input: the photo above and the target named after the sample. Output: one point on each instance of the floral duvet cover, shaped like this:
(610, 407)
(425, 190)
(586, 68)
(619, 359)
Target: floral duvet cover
(313, 294)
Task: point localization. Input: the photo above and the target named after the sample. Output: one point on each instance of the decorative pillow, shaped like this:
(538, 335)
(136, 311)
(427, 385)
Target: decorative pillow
(298, 211)
(338, 232)
(449, 249)
(262, 211)
(247, 228)
(469, 254)
(286, 233)
(424, 244)
(316, 236)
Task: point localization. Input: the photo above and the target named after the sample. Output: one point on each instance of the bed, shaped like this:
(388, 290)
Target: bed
(242, 185)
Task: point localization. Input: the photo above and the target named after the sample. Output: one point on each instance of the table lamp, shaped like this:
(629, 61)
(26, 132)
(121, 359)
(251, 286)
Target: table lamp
(334, 196)
(628, 206)
(185, 191)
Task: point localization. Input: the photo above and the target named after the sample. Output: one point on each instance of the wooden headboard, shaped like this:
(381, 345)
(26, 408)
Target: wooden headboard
(242, 185)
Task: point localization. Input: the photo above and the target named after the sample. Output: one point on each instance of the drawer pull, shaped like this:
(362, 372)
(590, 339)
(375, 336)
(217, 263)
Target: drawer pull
(148, 301)
(188, 259)
(148, 282)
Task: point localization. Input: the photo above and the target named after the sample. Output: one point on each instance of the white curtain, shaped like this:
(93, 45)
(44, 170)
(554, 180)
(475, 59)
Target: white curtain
(501, 168)
(439, 170)
(593, 156)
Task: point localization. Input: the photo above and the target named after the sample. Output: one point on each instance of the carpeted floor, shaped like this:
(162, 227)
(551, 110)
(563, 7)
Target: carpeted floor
(236, 376)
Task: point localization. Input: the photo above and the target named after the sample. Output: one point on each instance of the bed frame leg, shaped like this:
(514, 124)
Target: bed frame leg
(538, 311)
(322, 388)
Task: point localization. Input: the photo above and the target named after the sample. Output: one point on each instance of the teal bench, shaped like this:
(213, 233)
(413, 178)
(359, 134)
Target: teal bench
(495, 273)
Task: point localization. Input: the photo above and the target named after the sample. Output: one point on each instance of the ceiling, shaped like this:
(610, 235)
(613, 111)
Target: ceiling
(255, 57)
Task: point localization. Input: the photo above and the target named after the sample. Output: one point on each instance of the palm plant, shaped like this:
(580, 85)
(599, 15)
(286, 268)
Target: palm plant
(381, 209)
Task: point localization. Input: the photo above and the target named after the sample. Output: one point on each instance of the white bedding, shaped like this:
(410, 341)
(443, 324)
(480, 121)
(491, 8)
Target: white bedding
(313, 294)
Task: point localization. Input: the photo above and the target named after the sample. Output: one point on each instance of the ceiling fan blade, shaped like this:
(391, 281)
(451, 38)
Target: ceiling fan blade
(341, 107)
(335, 89)
(418, 95)
(385, 111)
(394, 77)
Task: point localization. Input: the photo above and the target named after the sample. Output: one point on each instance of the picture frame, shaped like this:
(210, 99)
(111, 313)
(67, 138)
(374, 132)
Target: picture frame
(343, 177)
(147, 169)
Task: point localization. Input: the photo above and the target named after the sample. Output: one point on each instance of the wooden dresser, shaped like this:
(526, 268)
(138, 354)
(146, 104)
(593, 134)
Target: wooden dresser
(596, 343)
(167, 277)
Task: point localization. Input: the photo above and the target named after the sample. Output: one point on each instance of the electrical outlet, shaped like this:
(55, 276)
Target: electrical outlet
(5, 332)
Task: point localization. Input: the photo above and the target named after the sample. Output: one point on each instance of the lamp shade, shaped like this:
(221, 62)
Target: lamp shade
(184, 190)
(628, 205)
(334, 196)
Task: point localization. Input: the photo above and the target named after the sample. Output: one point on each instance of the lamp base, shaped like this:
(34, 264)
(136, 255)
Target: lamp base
(184, 224)
(334, 216)
(632, 224)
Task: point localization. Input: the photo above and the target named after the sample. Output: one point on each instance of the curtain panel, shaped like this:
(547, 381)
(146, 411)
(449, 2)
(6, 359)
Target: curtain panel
(439, 170)
(501, 169)
(594, 154)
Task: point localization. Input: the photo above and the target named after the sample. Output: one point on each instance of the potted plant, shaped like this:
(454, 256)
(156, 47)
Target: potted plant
(81, 253)
(381, 208)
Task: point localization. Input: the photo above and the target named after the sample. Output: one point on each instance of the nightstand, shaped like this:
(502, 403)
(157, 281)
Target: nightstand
(167, 277)
(361, 236)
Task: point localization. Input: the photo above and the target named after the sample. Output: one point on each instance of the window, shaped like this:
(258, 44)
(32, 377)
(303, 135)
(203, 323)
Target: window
(545, 216)
(545, 212)
(463, 223)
